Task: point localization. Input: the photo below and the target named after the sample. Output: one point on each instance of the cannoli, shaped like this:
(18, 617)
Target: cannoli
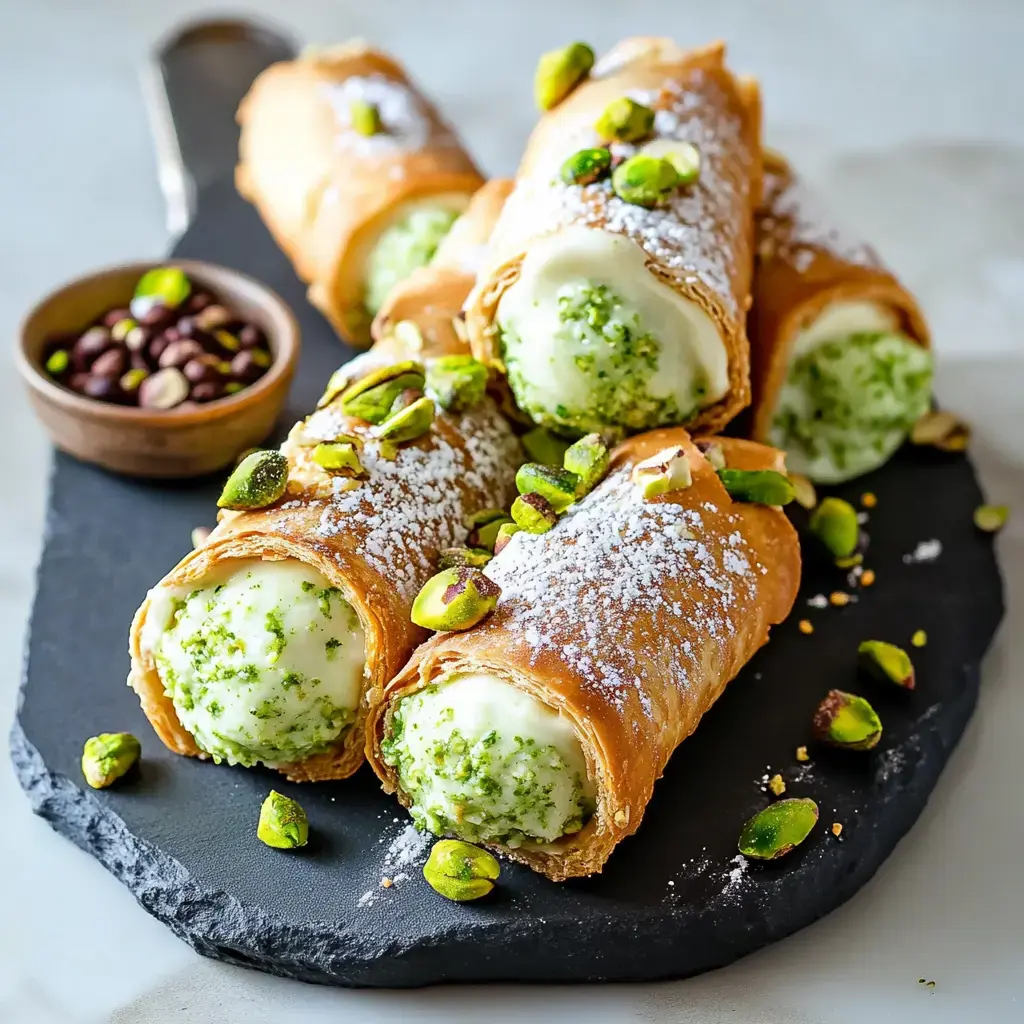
(839, 348)
(541, 731)
(260, 646)
(354, 172)
(617, 280)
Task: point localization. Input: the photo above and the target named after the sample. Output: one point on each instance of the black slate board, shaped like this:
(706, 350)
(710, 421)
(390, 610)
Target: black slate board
(181, 834)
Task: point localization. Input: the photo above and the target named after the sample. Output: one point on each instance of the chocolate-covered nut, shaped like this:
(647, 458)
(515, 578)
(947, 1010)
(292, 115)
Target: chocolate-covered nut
(250, 336)
(111, 318)
(198, 301)
(93, 343)
(186, 326)
(202, 368)
(112, 363)
(156, 316)
(104, 389)
(208, 391)
(178, 353)
(155, 349)
(213, 317)
(77, 382)
(164, 390)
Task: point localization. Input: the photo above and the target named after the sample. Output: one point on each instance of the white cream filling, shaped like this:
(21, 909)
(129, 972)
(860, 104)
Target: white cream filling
(692, 357)
(841, 320)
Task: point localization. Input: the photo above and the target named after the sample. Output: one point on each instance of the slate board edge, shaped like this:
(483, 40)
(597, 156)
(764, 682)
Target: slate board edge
(221, 927)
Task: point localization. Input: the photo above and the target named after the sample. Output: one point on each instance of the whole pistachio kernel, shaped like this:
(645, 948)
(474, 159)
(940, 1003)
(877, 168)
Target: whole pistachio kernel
(886, 662)
(685, 158)
(544, 447)
(458, 382)
(105, 758)
(57, 362)
(123, 327)
(339, 457)
(778, 829)
(132, 379)
(370, 397)
(665, 471)
(164, 286)
(339, 381)
(557, 486)
(460, 871)
(283, 823)
(483, 527)
(364, 117)
(588, 458)
(505, 533)
(455, 599)
(409, 423)
(586, 166)
(834, 524)
(713, 452)
(991, 518)
(533, 513)
(763, 486)
(257, 481)
(942, 430)
(848, 721)
(452, 558)
(625, 120)
(559, 72)
(644, 180)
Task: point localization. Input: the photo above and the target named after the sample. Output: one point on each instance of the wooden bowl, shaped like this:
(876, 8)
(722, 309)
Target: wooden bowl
(183, 442)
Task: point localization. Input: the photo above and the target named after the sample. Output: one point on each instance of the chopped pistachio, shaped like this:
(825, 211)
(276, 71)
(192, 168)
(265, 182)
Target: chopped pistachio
(341, 457)
(283, 823)
(371, 397)
(886, 662)
(105, 758)
(713, 452)
(803, 491)
(364, 117)
(460, 871)
(779, 828)
(991, 518)
(57, 362)
(533, 513)
(451, 558)
(338, 382)
(685, 158)
(557, 486)
(802, 755)
(458, 382)
(777, 785)
(484, 526)
(834, 524)
(942, 430)
(665, 471)
(544, 447)
(257, 481)
(505, 533)
(848, 721)
(763, 486)
(455, 599)
(588, 458)
(644, 180)
(559, 72)
(625, 120)
(586, 166)
(919, 639)
(409, 423)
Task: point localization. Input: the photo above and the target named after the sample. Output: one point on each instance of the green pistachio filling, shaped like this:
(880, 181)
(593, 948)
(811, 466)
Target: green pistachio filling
(264, 666)
(484, 761)
(605, 365)
(407, 244)
(848, 404)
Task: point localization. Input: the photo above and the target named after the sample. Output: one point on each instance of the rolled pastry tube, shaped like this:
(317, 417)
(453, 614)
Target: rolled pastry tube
(263, 645)
(839, 348)
(608, 316)
(355, 174)
(541, 731)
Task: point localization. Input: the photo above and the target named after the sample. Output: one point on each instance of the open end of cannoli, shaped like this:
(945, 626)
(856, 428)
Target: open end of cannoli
(854, 387)
(263, 661)
(592, 340)
(483, 760)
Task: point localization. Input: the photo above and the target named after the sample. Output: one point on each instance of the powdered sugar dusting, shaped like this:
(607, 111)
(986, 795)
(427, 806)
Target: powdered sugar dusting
(404, 123)
(926, 551)
(408, 849)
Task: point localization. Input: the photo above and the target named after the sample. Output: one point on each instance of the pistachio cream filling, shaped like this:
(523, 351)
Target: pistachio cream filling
(406, 244)
(850, 399)
(484, 761)
(592, 340)
(263, 664)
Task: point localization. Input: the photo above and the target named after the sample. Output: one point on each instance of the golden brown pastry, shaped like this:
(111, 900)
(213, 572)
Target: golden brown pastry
(354, 172)
(542, 731)
(839, 348)
(604, 313)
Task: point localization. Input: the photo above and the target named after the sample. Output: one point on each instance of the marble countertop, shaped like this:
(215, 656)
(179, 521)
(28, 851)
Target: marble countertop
(906, 112)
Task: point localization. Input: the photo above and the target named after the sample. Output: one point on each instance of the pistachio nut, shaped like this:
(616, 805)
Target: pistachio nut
(227, 340)
(341, 457)
(713, 452)
(804, 493)
(625, 120)
(452, 558)
(57, 362)
(131, 380)
(644, 180)
(685, 158)
(533, 513)
(339, 381)
(991, 518)
(283, 823)
(200, 535)
(886, 662)
(409, 423)
(556, 485)
(544, 447)
(763, 486)
(458, 382)
(404, 400)
(942, 430)
(257, 481)
(484, 526)
(123, 327)
(460, 871)
(665, 471)
(777, 784)
(505, 533)
(455, 599)
(779, 828)
(588, 458)
(919, 638)
(370, 398)
(834, 524)
(161, 286)
(848, 721)
(105, 758)
(559, 72)
(586, 166)
(364, 117)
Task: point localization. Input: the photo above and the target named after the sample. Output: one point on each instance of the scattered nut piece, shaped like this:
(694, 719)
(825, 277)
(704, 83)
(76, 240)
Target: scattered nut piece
(848, 721)
(805, 626)
(867, 578)
(886, 662)
(991, 518)
(803, 491)
(839, 598)
(460, 871)
(779, 828)
(837, 829)
(868, 499)
(283, 823)
(777, 785)
(109, 756)
(802, 755)
(559, 72)
(834, 524)
(941, 430)
(386, 883)
(919, 639)
(761, 486)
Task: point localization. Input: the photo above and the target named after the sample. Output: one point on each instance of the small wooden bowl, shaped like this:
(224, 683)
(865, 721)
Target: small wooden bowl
(157, 443)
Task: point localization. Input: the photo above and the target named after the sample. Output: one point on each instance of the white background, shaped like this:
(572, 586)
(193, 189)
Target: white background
(909, 115)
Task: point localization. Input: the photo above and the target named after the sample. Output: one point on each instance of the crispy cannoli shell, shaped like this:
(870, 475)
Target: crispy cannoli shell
(324, 194)
(700, 243)
(378, 553)
(803, 265)
(633, 653)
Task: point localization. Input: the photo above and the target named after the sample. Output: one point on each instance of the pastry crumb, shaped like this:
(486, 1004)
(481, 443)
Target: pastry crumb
(802, 755)
(839, 598)
(920, 638)
(837, 829)
(867, 577)
(805, 627)
(777, 785)
(868, 499)
(386, 883)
